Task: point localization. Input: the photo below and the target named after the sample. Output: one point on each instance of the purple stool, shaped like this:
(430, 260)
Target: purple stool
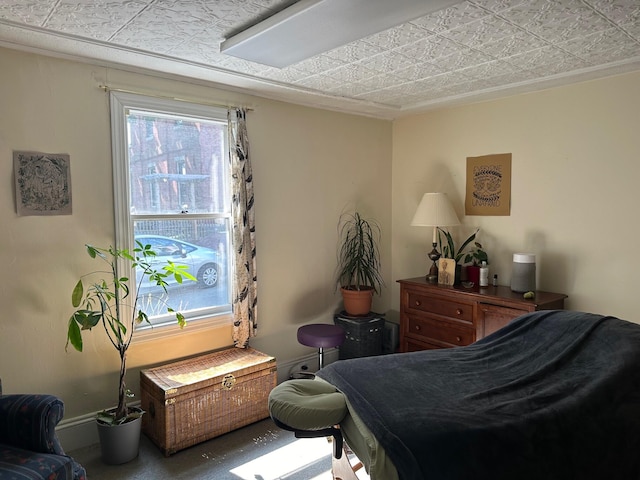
(321, 336)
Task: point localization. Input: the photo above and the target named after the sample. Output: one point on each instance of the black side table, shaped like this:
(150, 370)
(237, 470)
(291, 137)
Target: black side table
(364, 334)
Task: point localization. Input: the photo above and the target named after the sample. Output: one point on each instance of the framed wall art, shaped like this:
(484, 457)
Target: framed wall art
(43, 183)
(488, 189)
(446, 271)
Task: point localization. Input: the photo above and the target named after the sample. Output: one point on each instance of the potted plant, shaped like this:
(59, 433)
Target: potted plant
(476, 256)
(105, 297)
(449, 251)
(358, 269)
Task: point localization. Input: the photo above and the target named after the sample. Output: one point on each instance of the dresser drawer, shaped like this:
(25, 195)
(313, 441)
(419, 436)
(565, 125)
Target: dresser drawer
(442, 316)
(412, 345)
(446, 333)
(441, 306)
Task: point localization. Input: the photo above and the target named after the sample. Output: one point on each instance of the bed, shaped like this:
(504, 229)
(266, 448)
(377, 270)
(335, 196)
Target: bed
(553, 395)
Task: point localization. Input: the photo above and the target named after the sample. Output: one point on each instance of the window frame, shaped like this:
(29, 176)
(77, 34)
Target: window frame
(120, 103)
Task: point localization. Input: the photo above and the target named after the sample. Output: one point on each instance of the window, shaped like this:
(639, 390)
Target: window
(172, 191)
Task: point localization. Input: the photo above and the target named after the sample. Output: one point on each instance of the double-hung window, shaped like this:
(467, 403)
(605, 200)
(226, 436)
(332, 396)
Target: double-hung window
(171, 186)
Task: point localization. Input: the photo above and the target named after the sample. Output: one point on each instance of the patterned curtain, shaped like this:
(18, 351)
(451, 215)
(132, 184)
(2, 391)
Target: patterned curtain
(245, 298)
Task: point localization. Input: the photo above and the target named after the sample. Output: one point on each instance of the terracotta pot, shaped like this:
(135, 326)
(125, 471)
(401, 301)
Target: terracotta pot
(357, 302)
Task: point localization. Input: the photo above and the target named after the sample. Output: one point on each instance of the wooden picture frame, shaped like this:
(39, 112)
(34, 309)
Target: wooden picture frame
(446, 271)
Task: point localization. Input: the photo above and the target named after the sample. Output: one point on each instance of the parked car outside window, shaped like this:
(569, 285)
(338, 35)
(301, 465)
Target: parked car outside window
(203, 263)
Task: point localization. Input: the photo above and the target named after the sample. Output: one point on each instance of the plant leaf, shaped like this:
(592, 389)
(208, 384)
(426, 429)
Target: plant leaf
(76, 296)
(73, 335)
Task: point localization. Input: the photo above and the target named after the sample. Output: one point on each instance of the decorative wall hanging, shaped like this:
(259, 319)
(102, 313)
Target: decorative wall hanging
(43, 183)
(488, 185)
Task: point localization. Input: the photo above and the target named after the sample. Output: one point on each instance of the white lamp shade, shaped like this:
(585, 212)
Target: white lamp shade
(435, 210)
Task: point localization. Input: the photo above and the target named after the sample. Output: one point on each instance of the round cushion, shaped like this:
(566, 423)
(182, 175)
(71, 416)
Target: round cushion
(307, 404)
(321, 335)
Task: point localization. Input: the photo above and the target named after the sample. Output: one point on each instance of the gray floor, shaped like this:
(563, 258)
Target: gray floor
(260, 451)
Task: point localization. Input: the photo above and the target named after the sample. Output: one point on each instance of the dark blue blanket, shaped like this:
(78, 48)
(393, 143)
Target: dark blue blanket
(553, 395)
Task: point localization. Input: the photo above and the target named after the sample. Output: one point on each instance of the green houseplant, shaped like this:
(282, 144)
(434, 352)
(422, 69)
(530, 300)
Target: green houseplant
(106, 298)
(358, 268)
(476, 256)
(448, 250)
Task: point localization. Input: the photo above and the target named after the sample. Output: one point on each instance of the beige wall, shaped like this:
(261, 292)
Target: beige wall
(309, 165)
(575, 194)
(575, 168)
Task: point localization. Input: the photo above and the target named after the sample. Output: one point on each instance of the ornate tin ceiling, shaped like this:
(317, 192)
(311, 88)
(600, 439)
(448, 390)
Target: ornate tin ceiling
(474, 50)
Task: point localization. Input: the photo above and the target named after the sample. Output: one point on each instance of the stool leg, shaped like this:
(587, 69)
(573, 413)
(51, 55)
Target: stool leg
(321, 357)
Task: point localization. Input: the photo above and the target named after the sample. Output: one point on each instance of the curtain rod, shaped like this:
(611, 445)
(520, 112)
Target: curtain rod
(107, 88)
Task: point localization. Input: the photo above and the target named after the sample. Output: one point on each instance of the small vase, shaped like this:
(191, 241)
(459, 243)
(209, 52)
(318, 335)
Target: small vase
(473, 274)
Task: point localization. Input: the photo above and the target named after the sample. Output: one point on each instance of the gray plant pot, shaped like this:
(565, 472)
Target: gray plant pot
(120, 443)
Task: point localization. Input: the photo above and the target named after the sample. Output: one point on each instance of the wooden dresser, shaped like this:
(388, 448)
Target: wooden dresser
(440, 316)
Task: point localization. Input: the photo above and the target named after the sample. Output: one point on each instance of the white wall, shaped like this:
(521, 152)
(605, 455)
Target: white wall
(308, 166)
(575, 172)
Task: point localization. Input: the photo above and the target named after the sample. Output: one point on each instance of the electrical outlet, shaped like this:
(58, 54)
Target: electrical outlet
(300, 370)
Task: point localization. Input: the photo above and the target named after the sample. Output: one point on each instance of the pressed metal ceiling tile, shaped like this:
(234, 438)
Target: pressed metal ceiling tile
(318, 64)
(633, 30)
(33, 12)
(519, 43)
(452, 17)
(419, 71)
(470, 48)
(353, 52)
(555, 21)
(481, 32)
(398, 36)
(491, 69)
(100, 20)
(619, 11)
(388, 62)
(430, 48)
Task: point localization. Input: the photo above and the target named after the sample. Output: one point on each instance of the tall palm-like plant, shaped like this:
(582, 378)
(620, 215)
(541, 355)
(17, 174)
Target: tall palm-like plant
(359, 253)
(108, 301)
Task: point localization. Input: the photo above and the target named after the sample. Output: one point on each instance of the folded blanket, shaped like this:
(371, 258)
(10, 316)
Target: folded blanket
(553, 395)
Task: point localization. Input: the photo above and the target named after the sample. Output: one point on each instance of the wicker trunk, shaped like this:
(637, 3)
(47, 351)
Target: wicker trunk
(190, 401)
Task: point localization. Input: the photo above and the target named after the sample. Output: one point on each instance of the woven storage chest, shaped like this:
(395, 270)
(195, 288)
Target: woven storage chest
(364, 335)
(193, 400)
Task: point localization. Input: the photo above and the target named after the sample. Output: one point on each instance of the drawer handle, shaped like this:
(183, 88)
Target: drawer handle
(459, 311)
(418, 303)
(417, 328)
(458, 339)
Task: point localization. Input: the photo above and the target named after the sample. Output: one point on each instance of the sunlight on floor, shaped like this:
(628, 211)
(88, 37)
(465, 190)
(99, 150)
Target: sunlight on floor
(286, 461)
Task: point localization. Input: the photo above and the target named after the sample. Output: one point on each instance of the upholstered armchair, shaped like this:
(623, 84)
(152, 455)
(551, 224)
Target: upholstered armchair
(29, 446)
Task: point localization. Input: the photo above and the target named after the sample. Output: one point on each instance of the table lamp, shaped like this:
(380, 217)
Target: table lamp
(435, 211)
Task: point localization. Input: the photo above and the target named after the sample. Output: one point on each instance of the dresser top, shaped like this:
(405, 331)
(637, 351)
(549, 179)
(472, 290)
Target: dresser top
(478, 293)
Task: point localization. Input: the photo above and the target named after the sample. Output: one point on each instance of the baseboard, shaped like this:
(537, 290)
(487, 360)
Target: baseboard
(80, 432)
(310, 361)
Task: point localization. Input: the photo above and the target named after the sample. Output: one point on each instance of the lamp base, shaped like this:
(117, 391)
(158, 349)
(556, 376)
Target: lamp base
(434, 255)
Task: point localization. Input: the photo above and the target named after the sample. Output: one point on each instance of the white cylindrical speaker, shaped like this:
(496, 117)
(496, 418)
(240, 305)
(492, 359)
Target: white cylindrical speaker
(523, 274)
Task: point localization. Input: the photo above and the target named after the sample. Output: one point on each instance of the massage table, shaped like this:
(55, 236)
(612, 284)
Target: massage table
(552, 395)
